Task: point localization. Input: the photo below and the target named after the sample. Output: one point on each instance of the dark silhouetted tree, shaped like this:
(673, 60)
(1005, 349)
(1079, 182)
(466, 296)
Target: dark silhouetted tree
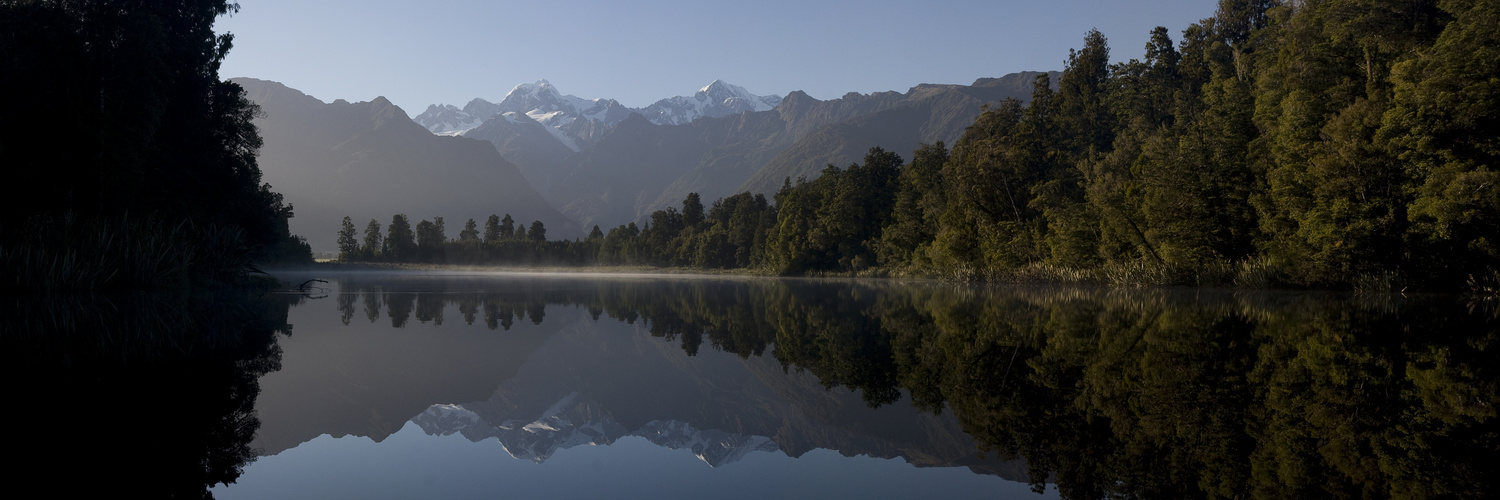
(692, 211)
(470, 233)
(348, 243)
(538, 231)
(492, 229)
(400, 241)
(373, 243)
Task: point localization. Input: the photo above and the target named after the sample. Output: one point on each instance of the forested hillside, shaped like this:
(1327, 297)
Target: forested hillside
(1320, 144)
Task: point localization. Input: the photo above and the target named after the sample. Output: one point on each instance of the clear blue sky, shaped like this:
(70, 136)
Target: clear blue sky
(423, 52)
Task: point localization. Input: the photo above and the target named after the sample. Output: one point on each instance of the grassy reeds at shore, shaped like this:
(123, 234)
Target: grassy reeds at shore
(1255, 273)
(1258, 273)
(68, 253)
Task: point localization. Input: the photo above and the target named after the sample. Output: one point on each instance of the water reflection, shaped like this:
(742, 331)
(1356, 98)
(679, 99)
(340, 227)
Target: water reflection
(1100, 392)
(142, 395)
(1104, 392)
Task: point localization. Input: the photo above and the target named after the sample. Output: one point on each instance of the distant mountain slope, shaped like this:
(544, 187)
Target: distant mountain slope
(651, 167)
(640, 167)
(526, 143)
(928, 114)
(369, 160)
(598, 167)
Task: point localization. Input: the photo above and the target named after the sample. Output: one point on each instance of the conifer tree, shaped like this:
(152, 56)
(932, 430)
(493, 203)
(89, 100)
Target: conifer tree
(492, 229)
(538, 231)
(470, 233)
(508, 228)
(400, 241)
(373, 243)
(348, 244)
(692, 211)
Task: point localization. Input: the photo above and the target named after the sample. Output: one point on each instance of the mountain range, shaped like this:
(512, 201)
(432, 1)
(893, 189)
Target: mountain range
(544, 103)
(368, 160)
(572, 162)
(601, 166)
(573, 421)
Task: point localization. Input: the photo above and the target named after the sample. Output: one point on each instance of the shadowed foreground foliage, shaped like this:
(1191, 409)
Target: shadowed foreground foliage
(170, 379)
(121, 144)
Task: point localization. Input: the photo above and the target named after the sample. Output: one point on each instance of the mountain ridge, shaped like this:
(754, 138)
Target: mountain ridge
(368, 160)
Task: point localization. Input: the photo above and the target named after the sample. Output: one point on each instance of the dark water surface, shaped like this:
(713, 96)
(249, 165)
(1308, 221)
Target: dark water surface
(389, 385)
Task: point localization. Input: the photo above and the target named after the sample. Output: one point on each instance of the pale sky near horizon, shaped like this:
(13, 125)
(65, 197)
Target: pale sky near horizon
(427, 52)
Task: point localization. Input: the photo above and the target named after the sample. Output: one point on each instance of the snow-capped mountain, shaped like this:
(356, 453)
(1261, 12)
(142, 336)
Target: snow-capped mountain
(714, 447)
(577, 122)
(447, 119)
(717, 99)
(573, 421)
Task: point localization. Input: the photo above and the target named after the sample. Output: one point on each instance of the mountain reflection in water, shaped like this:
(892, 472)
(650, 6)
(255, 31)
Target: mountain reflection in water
(1150, 393)
(1098, 392)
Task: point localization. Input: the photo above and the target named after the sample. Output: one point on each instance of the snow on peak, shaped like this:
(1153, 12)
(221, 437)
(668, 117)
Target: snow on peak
(577, 122)
(447, 119)
(719, 98)
(573, 120)
(542, 89)
(575, 420)
(711, 86)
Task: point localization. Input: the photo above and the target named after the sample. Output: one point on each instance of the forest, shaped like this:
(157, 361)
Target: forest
(130, 163)
(1336, 144)
(503, 241)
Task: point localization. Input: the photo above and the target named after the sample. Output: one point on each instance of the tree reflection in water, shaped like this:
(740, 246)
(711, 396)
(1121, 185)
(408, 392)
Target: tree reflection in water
(1158, 394)
(142, 395)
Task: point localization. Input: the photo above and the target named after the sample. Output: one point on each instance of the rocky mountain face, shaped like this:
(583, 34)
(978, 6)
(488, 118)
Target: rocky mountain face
(369, 160)
(717, 99)
(573, 121)
(446, 119)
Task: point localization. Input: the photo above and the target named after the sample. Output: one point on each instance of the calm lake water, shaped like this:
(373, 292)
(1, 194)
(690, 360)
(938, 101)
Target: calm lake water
(402, 385)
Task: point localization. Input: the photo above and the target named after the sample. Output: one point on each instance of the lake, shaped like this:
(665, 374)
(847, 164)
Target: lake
(401, 385)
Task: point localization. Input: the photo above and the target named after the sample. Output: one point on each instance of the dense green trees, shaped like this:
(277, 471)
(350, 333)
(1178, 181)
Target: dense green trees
(502, 243)
(729, 236)
(1339, 143)
(1443, 126)
(834, 222)
(109, 108)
